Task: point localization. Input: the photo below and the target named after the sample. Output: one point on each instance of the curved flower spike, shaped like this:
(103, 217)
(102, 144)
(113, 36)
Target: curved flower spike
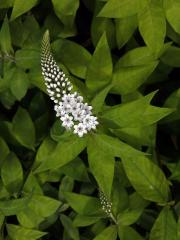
(70, 107)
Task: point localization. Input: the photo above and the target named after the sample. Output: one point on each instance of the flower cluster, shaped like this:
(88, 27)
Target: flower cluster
(106, 204)
(73, 112)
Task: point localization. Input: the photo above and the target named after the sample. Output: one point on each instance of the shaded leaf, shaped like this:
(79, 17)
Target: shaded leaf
(12, 173)
(23, 128)
(71, 230)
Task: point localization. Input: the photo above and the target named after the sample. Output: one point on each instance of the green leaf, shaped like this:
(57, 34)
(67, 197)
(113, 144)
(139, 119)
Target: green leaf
(6, 3)
(23, 128)
(101, 25)
(121, 9)
(128, 233)
(84, 205)
(165, 226)
(129, 79)
(125, 28)
(99, 98)
(173, 101)
(108, 233)
(20, 233)
(101, 164)
(144, 115)
(19, 8)
(73, 56)
(144, 174)
(83, 221)
(135, 57)
(19, 84)
(27, 58)
(5, 37)
(39, 209)
(99, 72)
(13, 207)
(12, 173)
(64, 152)
(152, 25)
(171, 57)
(66, 10)
(4, 150)
(134, 211)
(71, 230)
(172, 9)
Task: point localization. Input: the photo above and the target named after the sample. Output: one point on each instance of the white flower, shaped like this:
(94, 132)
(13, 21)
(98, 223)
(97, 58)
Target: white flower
(80, 129)
(67, 121)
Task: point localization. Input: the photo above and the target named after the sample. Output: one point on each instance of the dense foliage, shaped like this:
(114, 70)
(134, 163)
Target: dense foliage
(120, 181)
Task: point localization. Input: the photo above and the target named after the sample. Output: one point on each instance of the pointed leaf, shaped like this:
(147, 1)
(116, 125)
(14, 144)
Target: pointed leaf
(99, 71)
(108, 233)
(63, 153)
(71, 230)
(19, 8)
(23, 128)
(152, 25)
(12, 173)
(121, 9)
(165, 226)
(20, 233)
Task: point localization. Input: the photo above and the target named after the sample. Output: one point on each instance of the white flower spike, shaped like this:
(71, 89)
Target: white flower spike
(70, 108)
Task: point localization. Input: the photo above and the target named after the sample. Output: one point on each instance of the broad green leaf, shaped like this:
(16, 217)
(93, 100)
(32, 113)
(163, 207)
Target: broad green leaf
(44, 206)
(81, 171)
(23, 128)
(73, 56)
(20, 233)
(173, 101)
(5, 37)
(19, 84)
(6, 3)
(32, 185)
(39, 208)
(101, 163)
(152, 25)
(172, 8)
(135, 57)
(125, 28)
(66, 185)
(12, 173)
(46, 148)
(137, 136)
(108, 233)
(101, 25)
(165, 226)
(71, 230)
(171, 57)
(147, 178)
(121, 9)
(20, 7)
(84, 205)
(4, 150)
(134, 210)
(99, 98)
(13, 207)
(137, 113)
(63, 153)
(27, 58)
(128, 233)
(66, 10)
(128, 79)
(1, 220)
(83, 221)
(99, 71)
(116, 147)
(119, 196)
